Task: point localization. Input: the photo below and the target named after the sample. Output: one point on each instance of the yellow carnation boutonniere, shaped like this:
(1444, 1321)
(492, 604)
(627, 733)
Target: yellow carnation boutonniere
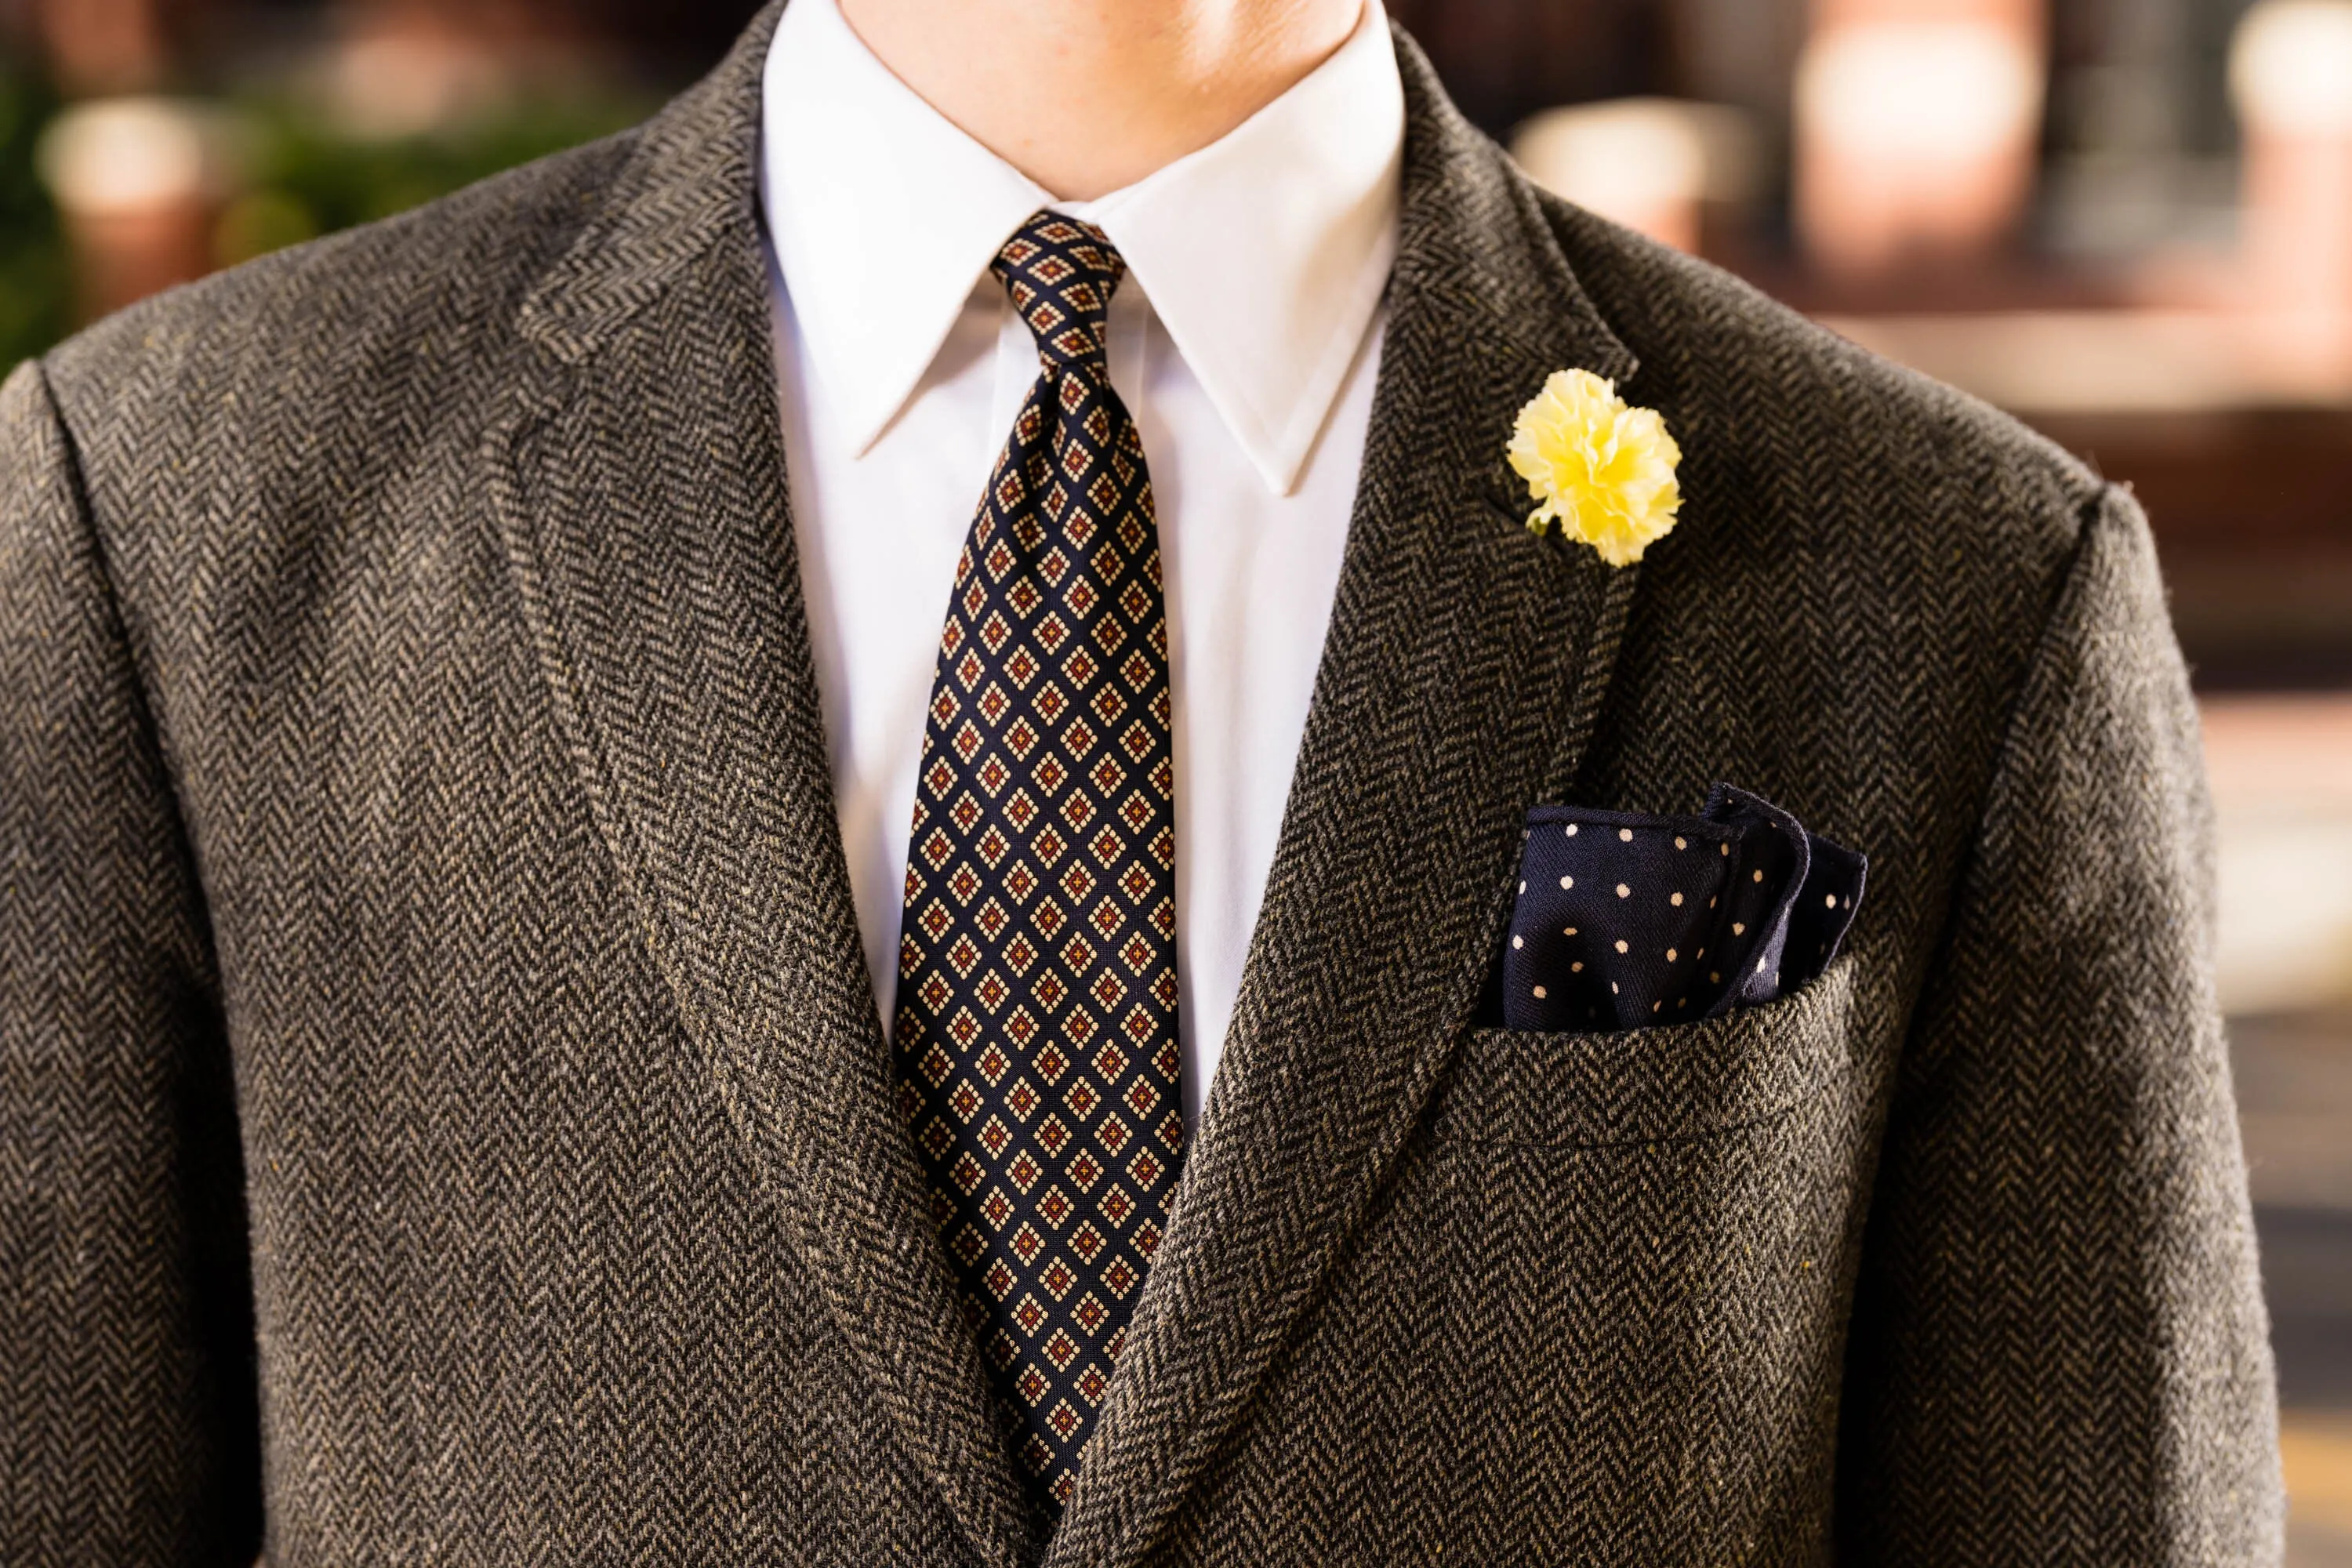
(1601, 469)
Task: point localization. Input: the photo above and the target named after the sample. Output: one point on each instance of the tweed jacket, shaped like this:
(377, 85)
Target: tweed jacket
(443, 1116)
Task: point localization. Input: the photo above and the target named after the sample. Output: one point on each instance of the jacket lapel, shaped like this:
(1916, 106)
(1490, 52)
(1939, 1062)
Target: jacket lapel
(639, 480)
(1463, 667)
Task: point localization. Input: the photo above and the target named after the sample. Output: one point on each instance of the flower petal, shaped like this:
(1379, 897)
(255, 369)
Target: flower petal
(1603, 471)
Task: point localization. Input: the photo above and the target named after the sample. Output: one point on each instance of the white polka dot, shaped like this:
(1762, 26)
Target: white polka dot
(1539, 992)
(1737, 929)
(1621, 947)
(1612, 988)
(1625, 835)
(1518, 941)
(1567, 882)
(1623, 891)
(1833, 901)
(1682, 843)
(1760, 966)
(1576, 969)
(1571, 830)
(1710, 903)
(1523, 887)
(1655, 1006)
(1676, 901)
(1700, 954)
(1569, 932)
(1726, 849)
(1715, 977)
(1759, 876)
(1670, 956)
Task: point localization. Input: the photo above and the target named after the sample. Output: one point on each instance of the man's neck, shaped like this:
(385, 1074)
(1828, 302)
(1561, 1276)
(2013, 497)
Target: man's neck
(1085, 97)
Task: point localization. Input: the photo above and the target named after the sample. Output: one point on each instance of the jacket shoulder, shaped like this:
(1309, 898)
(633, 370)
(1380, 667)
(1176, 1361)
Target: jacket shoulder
(1817, 436)
(415, 308)
(249, 447)
(1866, 568)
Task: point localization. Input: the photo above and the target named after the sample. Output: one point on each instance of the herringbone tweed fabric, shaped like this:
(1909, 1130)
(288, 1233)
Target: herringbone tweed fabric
(444, 1118)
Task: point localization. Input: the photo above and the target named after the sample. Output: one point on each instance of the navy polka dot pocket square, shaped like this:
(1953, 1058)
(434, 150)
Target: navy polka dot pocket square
(1626, 920)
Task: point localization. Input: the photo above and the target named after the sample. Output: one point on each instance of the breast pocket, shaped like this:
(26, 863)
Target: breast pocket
(1648, 1238)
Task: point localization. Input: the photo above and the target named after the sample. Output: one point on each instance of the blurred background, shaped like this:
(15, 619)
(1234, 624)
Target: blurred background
(2129, 222)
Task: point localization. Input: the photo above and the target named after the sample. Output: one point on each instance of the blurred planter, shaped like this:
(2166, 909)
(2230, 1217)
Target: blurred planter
(140, 183)
(156, 192)
(1916, 123)
(1678, 171)
(105, 47)
(2290, 75)
(2282, 779)
(306, 176)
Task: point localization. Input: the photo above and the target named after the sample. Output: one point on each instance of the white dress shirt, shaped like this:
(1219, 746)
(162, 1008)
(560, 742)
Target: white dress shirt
(1245, 340)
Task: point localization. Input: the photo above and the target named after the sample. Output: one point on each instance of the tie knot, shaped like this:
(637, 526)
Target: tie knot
(1061, 274)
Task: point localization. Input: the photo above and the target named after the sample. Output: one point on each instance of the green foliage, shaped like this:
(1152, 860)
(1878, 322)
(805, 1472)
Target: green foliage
(36, 283)
(305, 178)
(302, 178)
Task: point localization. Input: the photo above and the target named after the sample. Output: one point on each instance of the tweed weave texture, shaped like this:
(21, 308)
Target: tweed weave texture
(443, 1116)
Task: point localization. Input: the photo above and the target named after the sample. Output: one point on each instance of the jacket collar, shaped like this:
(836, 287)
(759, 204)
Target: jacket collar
(637, 477)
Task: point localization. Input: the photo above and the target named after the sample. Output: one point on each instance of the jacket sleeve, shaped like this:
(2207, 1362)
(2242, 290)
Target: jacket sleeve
(128, 1431)
(2059, 1351)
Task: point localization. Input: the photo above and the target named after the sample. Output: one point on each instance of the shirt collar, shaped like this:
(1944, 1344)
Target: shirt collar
(1264, 254)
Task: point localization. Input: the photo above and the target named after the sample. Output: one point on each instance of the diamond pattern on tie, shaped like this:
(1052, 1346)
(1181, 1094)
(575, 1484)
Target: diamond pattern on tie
(1036, 1030)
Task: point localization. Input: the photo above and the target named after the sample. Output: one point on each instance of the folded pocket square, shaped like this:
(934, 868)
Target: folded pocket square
(1626, 920)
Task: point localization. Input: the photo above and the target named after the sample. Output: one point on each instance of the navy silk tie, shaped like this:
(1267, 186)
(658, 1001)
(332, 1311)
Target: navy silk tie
(1035, 1034)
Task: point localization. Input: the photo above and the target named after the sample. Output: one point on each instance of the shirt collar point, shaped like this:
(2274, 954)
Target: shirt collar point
(1281, 474)
(1281, 461)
